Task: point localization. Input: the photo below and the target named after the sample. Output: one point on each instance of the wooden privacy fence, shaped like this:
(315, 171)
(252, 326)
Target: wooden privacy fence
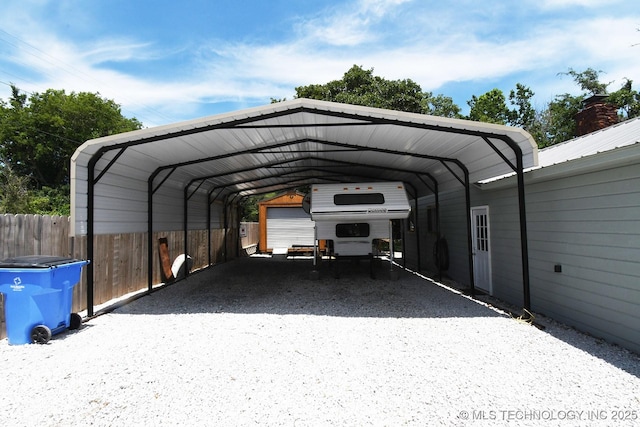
(249, 236)
(120, 260)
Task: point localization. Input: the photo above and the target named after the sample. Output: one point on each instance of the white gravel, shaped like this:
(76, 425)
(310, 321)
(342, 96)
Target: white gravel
(256, 342)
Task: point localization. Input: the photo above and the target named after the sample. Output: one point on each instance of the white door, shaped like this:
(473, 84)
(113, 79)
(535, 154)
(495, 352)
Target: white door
(481, 248)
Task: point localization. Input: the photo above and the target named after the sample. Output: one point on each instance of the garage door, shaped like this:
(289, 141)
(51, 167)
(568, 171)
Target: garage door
(288, 227)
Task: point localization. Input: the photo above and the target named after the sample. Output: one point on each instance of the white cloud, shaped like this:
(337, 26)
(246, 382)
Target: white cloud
(324, 48)
(558, 4)
(348, 24)
(118, 50)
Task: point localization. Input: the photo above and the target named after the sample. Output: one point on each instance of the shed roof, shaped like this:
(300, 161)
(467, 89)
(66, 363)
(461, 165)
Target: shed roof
(284, 145)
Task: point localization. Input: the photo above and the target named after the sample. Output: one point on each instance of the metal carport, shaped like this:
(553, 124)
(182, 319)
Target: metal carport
(167, 177)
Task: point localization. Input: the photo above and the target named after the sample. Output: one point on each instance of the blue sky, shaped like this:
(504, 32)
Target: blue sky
(165, 61)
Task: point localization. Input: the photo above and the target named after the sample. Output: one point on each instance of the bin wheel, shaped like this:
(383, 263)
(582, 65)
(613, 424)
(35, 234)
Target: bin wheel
(40, 334)
(75, 321)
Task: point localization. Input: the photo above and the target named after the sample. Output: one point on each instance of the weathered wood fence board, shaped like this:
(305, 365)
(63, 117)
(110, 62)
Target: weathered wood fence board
(120, 260)
(252, 230)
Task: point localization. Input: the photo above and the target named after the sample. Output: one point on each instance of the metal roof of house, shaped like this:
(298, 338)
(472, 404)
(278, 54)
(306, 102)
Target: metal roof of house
(281, 146)
(616, 136)
(623, 134)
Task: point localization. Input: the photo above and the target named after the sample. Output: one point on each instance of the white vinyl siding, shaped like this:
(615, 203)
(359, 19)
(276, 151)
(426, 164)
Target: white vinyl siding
(588, 224)
(289, 227)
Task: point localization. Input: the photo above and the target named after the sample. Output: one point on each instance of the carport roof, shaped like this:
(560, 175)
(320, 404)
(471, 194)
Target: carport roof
(303, 141)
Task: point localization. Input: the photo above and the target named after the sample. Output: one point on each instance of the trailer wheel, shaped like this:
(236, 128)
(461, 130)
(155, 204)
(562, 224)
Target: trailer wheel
(75, 321)
(40, 334)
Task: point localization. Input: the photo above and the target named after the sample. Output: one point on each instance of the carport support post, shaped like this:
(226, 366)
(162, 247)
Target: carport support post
(314, 275)
(391, 245)
(403, 224)
(150, 233)
(208, 230)
(416, 219)
(185, 224)
(238, 220)
(315, 246)
(467, 196)
(90, 234)
(523, 235)
(226, 228)
(438, 231)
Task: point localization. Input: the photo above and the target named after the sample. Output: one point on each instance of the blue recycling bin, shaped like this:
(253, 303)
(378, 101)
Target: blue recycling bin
(38, 292)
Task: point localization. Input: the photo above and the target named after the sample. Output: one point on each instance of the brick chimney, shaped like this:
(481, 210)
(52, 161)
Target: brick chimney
(596, 114)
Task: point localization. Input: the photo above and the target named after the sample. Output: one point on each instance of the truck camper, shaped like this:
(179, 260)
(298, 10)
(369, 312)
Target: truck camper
(351, 217)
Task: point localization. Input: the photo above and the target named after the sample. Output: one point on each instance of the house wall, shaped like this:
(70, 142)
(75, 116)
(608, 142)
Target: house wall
(590, 225)
(587, 222)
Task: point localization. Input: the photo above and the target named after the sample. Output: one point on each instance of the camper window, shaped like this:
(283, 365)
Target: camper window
(359, 199)
(358, 229)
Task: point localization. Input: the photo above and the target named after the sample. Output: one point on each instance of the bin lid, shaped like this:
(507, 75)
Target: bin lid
(35, 261)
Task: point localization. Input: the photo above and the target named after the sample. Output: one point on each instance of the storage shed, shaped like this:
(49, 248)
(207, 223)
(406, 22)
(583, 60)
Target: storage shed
(284, 225)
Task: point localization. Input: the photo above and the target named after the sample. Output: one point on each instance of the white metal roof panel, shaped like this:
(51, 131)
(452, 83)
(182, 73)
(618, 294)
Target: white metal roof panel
(616, 136)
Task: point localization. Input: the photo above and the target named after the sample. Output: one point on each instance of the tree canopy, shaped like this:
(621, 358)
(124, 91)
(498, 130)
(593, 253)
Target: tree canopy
(361, 87)
(39, 134)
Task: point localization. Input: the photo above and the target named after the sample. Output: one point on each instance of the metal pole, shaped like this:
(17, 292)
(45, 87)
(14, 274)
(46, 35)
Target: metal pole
(226, 227)
(185, 210)
(523, 236)
(390, 245)
(416, 230)
(403, 236)
(208, 230)
(438, 233)
(467, 194)
(90, 236)
(150, 234)
(315, 246)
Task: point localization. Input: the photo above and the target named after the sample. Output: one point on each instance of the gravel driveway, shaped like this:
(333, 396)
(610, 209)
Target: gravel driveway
(256, 342)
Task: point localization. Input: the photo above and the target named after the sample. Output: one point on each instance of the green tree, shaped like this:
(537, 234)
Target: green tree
(15, 195)
(490, 107)
(557, 122)
(627, 99)
(361, 87)
(251, 208)
(524, 115)
(38, 135)
(441, 105)
(589, 81)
